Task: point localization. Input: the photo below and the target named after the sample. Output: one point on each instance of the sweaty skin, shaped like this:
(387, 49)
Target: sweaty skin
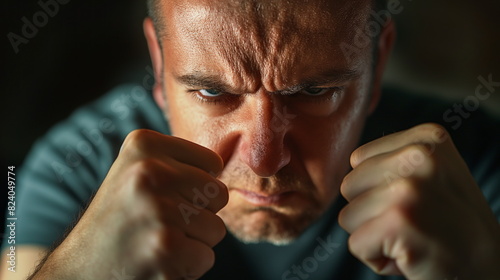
(266, 112)
(285, 150)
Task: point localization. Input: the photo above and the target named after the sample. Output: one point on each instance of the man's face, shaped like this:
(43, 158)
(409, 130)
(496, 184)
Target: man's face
(267, 87)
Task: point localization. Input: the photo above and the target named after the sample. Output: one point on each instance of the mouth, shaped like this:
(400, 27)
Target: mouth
(260, 199)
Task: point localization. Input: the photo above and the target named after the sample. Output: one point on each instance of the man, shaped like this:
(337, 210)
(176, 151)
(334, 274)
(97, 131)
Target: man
(268, 101)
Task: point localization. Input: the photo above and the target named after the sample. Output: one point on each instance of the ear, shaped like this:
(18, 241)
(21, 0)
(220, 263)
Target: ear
(157, 60)
(385, 44)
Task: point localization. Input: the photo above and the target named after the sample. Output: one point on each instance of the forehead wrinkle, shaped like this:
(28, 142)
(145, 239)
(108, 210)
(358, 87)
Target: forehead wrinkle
(223, 35)
(299, 27)
(241, 48)
(256, 43)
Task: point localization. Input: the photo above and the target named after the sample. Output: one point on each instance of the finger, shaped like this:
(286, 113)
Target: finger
(202, 190)
(369, 174)
(174, 209)
(383, 169)
(181, 257)
(199, 224)
(429, 133)
(168, 147)
(390, 244)
(206, 227)
(373, 203)
(198, 188)
(370, 244)
(365, 207)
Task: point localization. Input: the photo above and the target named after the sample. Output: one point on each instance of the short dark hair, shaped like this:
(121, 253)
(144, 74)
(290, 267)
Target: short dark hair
(155, 5)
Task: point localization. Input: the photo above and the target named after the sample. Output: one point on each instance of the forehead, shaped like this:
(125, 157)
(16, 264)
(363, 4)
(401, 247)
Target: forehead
(275, 43)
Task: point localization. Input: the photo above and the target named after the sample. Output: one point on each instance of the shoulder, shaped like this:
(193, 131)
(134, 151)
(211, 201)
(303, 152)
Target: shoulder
(92, 135)
(67, 165)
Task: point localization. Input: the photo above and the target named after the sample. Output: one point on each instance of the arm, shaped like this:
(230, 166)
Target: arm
(150, 216)
(415, 210)
(27, 258)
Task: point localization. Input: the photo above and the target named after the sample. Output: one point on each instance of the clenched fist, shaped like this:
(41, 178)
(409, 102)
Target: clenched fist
(415, 210)
(154, 216)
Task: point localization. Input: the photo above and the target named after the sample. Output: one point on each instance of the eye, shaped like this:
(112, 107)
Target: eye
(213, 96)
(210, 93)
(317, 94)
(315, 91)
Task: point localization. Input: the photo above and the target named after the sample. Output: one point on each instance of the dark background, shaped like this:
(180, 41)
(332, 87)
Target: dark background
(84, 50)
(90, 46)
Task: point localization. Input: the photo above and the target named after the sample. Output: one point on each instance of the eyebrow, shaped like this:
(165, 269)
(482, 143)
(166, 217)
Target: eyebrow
(328, 78)
(332, 77)
(199, 80)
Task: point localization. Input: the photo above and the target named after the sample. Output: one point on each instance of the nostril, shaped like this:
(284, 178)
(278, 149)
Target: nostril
(267, 158)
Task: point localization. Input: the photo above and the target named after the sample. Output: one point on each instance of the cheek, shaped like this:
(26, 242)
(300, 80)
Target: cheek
(325, 144)
(189, 121)
(184, 119)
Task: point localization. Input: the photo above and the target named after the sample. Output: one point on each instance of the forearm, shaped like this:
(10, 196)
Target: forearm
(54, 265)
(69, 260)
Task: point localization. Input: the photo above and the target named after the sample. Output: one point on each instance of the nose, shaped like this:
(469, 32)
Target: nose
(264, 148)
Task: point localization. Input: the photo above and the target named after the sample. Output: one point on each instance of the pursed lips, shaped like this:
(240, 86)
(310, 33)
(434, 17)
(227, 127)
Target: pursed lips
(261, 199)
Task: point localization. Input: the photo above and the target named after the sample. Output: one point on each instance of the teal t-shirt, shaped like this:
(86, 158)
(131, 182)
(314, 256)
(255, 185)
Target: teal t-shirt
(66, 167)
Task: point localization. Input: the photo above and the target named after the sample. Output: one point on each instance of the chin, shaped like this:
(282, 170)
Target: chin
(272, 225)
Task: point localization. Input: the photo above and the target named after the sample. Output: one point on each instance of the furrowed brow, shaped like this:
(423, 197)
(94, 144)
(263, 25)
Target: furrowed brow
(200, 81)
(333, 77)
(329, 78)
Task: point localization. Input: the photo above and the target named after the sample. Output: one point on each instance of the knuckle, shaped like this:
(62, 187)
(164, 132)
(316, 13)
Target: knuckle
(407, 198)
(343, 218)
(416, 150)
(398, 242)
(168, 251)
(418, 159)
(141, 173)
(145, 165)
(211, 158)
(434, 132)
(405, 191)
(148, 173)
(438, 133)
(397, 214)
(424, 158)
(138, 140)
(344, 186)
(357, 156)
(166, 242)
(429, 127)
(164, 211)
